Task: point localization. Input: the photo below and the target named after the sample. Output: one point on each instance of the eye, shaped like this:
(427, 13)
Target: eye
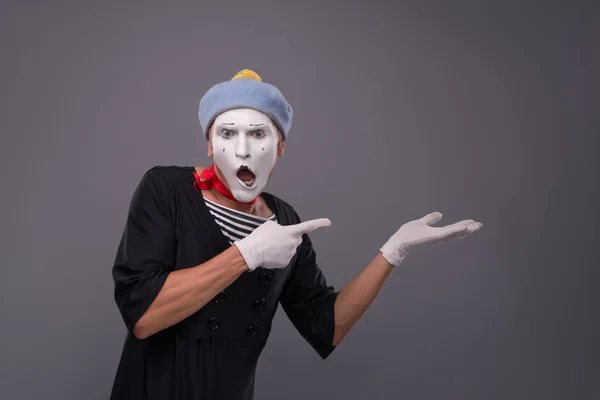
(226, 133)
(258, 133)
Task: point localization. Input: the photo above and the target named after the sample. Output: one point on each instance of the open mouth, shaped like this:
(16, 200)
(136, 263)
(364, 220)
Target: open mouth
(246, 176)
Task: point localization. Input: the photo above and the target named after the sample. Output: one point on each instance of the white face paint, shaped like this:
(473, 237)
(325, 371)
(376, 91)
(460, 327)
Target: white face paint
(244, 143)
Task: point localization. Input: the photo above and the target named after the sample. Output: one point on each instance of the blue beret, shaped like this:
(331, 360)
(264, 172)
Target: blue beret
(245, 92)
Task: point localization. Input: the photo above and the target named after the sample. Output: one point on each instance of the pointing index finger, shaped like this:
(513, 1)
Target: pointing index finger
(309, 226)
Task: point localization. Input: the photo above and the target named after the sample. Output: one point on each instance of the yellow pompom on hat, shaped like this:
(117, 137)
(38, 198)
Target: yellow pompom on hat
(245, 90)
(247, 73)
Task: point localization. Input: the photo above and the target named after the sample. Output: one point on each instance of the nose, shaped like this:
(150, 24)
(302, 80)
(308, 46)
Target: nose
(241, 150)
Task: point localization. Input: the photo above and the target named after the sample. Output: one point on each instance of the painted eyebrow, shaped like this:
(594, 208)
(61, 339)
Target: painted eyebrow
(233, 124)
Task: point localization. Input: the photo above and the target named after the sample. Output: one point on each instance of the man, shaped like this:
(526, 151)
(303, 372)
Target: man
(206, 257)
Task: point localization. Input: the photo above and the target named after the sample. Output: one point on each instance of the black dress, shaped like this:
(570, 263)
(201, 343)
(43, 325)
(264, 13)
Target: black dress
(213, 353)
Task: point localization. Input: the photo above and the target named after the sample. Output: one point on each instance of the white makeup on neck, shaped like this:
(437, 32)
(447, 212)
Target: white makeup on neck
(244, 143)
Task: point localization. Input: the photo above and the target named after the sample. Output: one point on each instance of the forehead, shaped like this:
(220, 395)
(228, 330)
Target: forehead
(243, 116)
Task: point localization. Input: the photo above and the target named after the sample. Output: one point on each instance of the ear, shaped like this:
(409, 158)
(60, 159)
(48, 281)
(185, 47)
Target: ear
(280, 147)
(210, 146)
(280, 142)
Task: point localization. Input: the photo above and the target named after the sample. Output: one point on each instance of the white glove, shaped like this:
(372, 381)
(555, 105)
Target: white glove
(420, 233)
(272, 245)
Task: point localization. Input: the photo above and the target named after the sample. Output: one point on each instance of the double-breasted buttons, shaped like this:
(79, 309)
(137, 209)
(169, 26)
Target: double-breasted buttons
(259, 304)
(265, 277)
(251, 330)
(220, 297)
(214, 323)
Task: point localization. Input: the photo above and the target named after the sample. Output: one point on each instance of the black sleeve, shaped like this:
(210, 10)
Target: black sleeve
(146, 253)
(309, 302)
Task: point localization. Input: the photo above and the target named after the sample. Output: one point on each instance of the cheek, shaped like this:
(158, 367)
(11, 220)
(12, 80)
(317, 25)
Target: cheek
(266, 147)
(221, 146)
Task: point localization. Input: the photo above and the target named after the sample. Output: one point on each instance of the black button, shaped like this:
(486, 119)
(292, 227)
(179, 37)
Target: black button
(251, 330)
(220, 297)
(259, 304)
(214, 323)
(265, 277)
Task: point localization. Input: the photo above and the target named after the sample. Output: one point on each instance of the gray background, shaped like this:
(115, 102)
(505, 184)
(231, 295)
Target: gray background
(485, 110)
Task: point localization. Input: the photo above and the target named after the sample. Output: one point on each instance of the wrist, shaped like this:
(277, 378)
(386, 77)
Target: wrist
(385, 261)
(394, 255)
(238, 261)
(247, 254)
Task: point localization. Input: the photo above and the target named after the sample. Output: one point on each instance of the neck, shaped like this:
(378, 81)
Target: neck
(235, 205)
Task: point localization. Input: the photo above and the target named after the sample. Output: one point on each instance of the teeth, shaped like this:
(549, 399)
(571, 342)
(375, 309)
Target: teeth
(248, 183)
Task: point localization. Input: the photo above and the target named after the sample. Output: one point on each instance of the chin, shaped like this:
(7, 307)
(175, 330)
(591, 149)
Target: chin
(246, 196)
